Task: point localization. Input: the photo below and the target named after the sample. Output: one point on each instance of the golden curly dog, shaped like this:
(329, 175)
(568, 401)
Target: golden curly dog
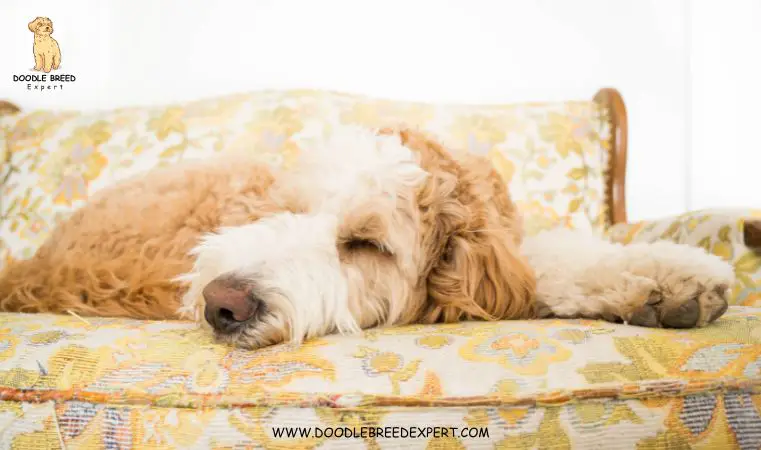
(338, 244)
(369, 229)
(47, 54)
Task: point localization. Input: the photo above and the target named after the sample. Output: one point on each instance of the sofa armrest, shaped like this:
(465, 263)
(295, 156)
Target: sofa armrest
(733, 235)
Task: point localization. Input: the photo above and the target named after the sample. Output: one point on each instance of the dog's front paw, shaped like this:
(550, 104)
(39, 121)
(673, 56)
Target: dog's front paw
(692, 289)
(696, 306)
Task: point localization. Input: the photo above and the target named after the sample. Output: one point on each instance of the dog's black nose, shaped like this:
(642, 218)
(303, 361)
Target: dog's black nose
(230, 304)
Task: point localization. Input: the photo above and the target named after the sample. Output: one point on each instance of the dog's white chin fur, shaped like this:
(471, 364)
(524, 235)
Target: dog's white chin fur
(293, 258)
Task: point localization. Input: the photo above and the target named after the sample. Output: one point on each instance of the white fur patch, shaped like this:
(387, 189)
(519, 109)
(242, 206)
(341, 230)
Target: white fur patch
(350, 166)
(572, 265)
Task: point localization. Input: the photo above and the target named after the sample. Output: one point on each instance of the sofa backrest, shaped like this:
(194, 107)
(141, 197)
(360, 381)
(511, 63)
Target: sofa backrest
(553, 155)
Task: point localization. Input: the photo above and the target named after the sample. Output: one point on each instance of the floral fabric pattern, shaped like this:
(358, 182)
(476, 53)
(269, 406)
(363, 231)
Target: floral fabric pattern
(717, 231)
(66, 382)
(552, 155)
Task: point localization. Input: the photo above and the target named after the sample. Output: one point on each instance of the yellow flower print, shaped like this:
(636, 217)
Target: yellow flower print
(46, 337)
(269, 133)
(568, 131)
(67, 173)
(748, 264)
(20, 378)
(747, 298)
(571, 188)
(66, 177)
(539, 217)
(276, 366)
(747, 287)
(382, 363)
(171, 121)
(603, 414)
(527, 353)
(8, 343)
(572, 336)
(433, 341)
(520, 344)
(543, 161)
(376, 363)
(290, 153)
(35, 229)
(514, 416)
(631, 233)
(504, 167)
(172, 428)
(281, 123)
(206, 376)
(74, 367)
(31, 130)
(22, 212)
(507, 387)
(477, 133)
(723, 250)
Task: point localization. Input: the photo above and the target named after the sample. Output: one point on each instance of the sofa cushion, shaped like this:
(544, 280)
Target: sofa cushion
(553, 155)
(546, 383)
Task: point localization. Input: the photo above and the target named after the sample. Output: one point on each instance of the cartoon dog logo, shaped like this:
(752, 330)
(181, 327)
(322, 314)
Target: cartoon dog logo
(47, 54)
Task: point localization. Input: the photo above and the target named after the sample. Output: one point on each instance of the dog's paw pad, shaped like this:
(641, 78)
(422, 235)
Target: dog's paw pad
(685, 315)
(718, 311)
(646, 316)
(661, 310)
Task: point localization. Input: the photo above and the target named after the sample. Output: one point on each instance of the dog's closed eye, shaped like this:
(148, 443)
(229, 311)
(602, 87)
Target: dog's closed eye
(358, 244)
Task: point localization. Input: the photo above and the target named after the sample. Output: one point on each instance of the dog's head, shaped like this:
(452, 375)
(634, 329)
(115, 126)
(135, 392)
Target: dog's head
(378, 229)
(41, 26)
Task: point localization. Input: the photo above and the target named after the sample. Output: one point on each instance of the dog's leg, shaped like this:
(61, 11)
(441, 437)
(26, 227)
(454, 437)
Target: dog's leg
(47, 63)
(56, 59)
(656, 285)
(38, 61)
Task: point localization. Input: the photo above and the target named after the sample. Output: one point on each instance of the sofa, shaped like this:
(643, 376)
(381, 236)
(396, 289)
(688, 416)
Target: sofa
(75, 382)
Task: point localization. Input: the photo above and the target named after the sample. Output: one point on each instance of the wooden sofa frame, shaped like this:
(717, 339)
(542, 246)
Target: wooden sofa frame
(615, 183)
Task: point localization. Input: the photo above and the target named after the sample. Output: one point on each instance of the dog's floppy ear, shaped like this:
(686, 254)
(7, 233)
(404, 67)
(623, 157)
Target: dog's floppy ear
(478, 272)
(33, 24)
(475, 269)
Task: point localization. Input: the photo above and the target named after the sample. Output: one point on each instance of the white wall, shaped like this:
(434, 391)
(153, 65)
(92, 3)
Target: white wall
(725, 165)
(126, 52)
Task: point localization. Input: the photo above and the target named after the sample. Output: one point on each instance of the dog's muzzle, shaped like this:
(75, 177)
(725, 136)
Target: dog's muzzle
(230, 304)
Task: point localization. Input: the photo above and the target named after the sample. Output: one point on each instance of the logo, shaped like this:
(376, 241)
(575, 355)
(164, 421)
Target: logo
(47, 59)
(47, 53)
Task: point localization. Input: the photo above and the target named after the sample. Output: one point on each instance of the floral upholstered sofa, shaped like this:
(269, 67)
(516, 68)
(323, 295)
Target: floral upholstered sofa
(73, 382)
